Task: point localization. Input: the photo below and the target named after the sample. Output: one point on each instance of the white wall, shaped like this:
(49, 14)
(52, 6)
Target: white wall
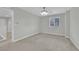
(25, 24)
(74, 26)
(44, 25)
(67, 24)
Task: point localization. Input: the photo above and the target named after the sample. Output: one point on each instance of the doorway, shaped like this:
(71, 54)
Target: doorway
(5, 28)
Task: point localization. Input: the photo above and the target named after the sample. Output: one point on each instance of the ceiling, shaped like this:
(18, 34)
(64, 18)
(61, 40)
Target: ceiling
(4, 12)
(51, 10)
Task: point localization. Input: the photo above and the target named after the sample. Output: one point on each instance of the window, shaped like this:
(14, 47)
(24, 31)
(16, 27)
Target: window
(54, 21)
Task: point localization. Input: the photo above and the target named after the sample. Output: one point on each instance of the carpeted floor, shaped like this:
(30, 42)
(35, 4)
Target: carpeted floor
(41, 42)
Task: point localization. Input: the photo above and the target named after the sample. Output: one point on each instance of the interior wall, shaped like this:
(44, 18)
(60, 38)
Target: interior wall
(25, 24)
(44, 25)
(74, 25)
(67, 24)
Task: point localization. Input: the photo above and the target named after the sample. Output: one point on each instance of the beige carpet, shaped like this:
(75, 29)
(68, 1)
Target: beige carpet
(41, 42)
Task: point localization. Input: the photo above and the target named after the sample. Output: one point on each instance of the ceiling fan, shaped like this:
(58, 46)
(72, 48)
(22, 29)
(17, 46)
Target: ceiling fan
(44, 11)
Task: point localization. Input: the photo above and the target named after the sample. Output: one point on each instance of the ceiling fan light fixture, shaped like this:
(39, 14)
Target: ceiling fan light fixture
(44, 12)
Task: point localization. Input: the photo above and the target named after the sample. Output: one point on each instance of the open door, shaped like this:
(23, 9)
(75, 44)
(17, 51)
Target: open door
(5, 24)
(3, 29)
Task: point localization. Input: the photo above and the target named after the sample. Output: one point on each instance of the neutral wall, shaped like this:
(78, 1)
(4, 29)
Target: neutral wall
(74, 26)
(67, 24)
(25, 24)
(44, 25)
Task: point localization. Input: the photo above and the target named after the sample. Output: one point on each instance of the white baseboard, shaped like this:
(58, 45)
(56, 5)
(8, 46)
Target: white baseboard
(56, 34)
(75, 43)
(21, 38)
(2, 37)
(67, 37)
(15, 40)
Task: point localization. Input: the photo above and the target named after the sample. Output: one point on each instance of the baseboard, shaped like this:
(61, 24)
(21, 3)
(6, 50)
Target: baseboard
(56, 34)
(75, 43)
(67, 37)
(21, 38)
(2, 37)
